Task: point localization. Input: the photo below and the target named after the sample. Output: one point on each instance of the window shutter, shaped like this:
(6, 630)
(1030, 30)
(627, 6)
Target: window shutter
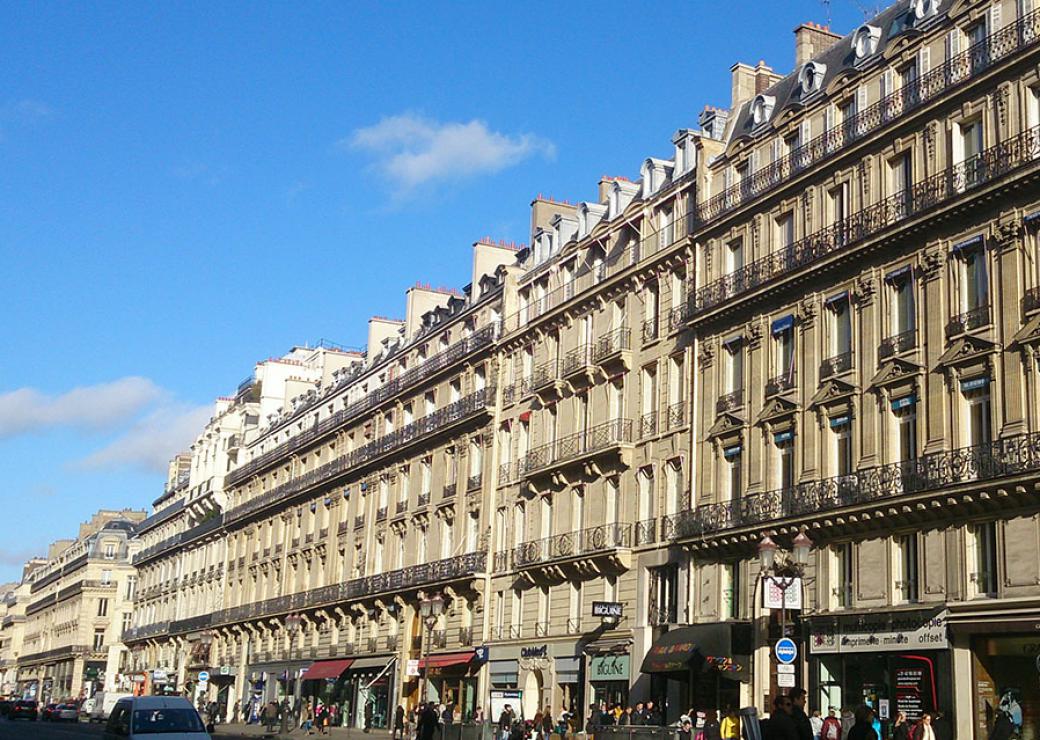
(923, 61)
(806, 132)
(861, 99)
(777, 149)
(953, 43)
(994, 18)
(888, 84)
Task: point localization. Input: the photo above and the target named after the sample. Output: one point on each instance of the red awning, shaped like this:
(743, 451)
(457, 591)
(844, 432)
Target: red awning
(446, 659)
(327, 669)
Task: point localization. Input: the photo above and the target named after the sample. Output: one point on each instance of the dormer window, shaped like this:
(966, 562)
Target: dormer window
(924, 8)
(762, 108)
(865, 41)
(811, 77)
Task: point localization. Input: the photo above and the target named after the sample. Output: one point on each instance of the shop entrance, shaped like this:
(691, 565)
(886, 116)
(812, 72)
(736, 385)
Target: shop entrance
(534, 684)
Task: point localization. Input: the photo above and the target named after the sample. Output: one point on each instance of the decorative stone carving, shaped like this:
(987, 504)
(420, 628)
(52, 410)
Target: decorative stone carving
(866, 287)
(931, 133)
(807, 311)
(807, 199)
(1009, 234)
(753, 334)
(864, 178)
(756, 228)
(932, 262)
(706, 354)
(1000, 99)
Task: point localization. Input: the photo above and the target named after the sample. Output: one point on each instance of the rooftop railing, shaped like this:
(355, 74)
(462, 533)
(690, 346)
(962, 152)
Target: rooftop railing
(935, 471)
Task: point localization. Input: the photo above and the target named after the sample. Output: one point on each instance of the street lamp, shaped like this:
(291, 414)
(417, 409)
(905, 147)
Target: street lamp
(292, 624)
(430, 609)
(787, 573)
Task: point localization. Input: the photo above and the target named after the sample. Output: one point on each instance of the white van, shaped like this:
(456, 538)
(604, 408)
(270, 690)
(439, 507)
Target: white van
(102, 704)
(144, 716)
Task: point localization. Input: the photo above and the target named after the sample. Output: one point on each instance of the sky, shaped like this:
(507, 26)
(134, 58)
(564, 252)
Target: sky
(187, 188)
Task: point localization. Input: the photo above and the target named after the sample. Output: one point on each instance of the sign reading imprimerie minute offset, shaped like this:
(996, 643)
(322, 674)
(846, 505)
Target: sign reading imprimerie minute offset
(607, 609)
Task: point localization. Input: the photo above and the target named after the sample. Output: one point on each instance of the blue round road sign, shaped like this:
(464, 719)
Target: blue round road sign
(785, 650)
(203, 676)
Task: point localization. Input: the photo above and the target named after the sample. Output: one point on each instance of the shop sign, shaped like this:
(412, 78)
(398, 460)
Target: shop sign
(609, 609)
(882, 633)
(534, 651)
(225, 670)
(158, 675)
(609, 668)
(776, 596)
(91, 672)
(411, 668)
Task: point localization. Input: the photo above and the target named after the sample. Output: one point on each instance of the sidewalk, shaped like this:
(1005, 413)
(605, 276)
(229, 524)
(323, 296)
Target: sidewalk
(339, 733)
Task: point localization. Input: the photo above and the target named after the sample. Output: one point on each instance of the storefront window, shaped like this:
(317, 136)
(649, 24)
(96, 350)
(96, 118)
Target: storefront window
(1006, 690)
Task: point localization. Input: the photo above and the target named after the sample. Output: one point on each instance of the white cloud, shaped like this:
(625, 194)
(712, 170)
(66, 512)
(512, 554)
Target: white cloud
(96, 407)
(411, 151)
(151, 441)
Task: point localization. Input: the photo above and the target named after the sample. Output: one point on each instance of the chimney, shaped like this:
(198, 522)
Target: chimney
(743, 84)
(811, 40)
(765, 77)
(605, 184)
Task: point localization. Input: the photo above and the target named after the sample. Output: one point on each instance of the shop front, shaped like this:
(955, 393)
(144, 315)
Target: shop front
(894, 662)
(549, 674)
(280, 680)
(700, 666)
(324, 683)
(453, 680)
(608, 671)
(365, 692)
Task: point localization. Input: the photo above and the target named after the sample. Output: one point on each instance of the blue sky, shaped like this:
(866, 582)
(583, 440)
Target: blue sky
(186, 188)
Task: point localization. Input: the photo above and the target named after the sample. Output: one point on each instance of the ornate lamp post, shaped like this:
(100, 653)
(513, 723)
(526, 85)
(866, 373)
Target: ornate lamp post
(787, 573)
(292, 626)
(430, 609)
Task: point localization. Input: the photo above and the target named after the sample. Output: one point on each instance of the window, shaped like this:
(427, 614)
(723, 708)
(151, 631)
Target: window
(131, 587)
(906, 553)
(651, 305)
(664, 594)
(904, 317)
(984, 540)
(647, 504)
(734, 461)
(785, 458)
(665, 227)
(102, 607)
(905, 410)
(784, 231)
(838, 201)
(840, 326)
(106, 577)
(901, 181)
(843, 575)
(841, 426)
(783, 339)
(848, 118)
(976, 280)
(971, 145)
(977, 395)
(731, 590)
(128, 620)
(99, 639)
(735, 255)
(735, 361)
(110, 551)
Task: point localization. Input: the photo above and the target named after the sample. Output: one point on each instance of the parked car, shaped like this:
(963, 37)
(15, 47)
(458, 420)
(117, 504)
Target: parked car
(144, 716)
(103, 702)
(5, 706)
(24, 709)
(66, 713)
(47, 713)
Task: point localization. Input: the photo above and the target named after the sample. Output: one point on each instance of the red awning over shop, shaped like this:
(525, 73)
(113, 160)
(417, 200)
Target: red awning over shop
(327, 669)
(446, 659)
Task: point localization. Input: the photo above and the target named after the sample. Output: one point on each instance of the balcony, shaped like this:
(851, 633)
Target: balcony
(359, 522)
(505, 473)
(968, 321)
(960, 68)
(308, 538)
(936, 472)
(473, 482)
(448, 491)
(407, 380)
(940, 189)
(323, 534)
(577, 368)
(392, 643)
(676, 415)
(601, 540)
(180, 539)
(648, 425)
(466, 636)
(576, 448)
(651, 329)
(422, 500)
(897, 344)
(836, 365)
(545, 380)
(373, 644)
(613, 351)
(381, 514)
(434, 423)
(1031, 301)
(729, 402)
(438, 639)
(679, 315)
(646, 532)
(780, 384)
(342, 528)
(401, 507)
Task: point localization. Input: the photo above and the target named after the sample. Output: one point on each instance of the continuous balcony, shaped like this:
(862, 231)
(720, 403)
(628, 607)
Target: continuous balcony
(576, 448)
(180, 539)
(434, 423)
(407, 380)
(938, 190)
(593, 541)
(935, 472)
(961, 68)
(159, 517)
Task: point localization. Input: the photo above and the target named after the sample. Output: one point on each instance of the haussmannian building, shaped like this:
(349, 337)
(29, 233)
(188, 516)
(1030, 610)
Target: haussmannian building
(818, 315)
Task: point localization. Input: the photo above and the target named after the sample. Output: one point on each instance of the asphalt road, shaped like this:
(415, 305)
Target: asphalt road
(47, 730)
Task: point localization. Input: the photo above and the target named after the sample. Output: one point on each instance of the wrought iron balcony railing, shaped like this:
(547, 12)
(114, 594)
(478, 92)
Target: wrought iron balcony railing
(1031, 301)
(342, 527)
(780, 384)
(962, 67)
(646, 532)
(545, 375)
(897, 344)
(473, 482)
(729, 402)
(479, 339)
(1000, 459)
(571, 544)
(381, 514)
(180, 539)
(574, 446)
(576, 360)
(836, 365)
(474, 403)
(438, 639)
(648, 424)
(651, 329)
(466, 636)
(359, 521)
(401, 507)
(612, 343)
(423, 500)
(676, 414)
(951, 183)
(970, 320)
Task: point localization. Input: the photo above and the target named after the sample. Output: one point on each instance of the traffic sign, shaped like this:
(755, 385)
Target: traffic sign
(785, 650)
(203, 676)
(785, 680)
(784, 668)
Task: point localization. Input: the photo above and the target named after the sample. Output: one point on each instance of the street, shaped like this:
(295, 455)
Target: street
(48, 730)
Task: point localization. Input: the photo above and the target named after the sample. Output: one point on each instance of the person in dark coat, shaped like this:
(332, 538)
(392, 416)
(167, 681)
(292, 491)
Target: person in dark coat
(428, 722)
(653, 715)
(1003, 727)
(798, 714)
(864, 727)
(901, 728)
(941, 725)
(781, 725)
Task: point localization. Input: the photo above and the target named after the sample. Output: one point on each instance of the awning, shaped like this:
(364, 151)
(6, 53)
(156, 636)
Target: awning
(782, 324)
(975, 241)
(724, 646)
(504, 671)
(327, 669)
(567, 670)
(374, 662)
(446, 659)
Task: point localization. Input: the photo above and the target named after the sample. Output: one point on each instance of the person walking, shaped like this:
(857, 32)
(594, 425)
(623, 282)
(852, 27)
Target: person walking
(428, 723)
(398, 733)
(816, 722)
(781, 724)
(307, 718)
(712, 730)
(901, 728)
(863, 729)
(831, 728)
(505, 722)
(368, 716)
(270, 716)
(653, 715)
(730, 726)
(801, 719)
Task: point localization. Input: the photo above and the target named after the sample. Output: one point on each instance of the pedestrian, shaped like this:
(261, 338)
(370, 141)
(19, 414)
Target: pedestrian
(428, 724)
(801, 719)
(712, 730)
(625, 720)
(901, 728)
(307, 718)
(505, 722)
(943, 729)
(398, 733)
(653, 715)
(368, 716)
(863, 729)
(816, 722)
(547, 722)
(781, 724)
(730, 726)
(831, 729)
